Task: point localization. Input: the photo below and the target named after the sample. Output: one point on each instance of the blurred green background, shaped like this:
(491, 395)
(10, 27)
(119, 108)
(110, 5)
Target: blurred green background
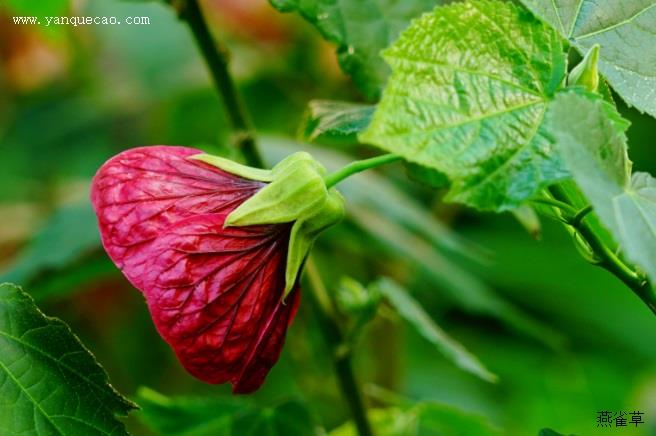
(566, 339)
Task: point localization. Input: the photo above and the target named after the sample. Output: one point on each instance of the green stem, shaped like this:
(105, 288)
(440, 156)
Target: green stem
(216, 56)
(341, 352)
(359, 166)
(608, 259)
(562, 206)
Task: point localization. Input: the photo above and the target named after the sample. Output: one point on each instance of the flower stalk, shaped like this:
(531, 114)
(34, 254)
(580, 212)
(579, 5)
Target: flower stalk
(359, 166)
(340, 351)
(216, 55)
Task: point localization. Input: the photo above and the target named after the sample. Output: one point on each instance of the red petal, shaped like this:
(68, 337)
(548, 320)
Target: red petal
(214, 293)
(215, 296)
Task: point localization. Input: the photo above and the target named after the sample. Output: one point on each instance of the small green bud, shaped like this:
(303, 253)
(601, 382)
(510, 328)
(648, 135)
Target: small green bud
(295, 193)
(357, 301)
(586, 73)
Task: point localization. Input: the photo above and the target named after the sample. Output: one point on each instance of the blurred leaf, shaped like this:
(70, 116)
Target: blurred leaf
(210, 416)
(591, 136)
(336, 122)
(360, 29)
(70, 233)
(73, 278)
(622, 29)
(529, 219)
(441, 107)
(438, 419)
(427, 176)
(78, 138)
(424, 419)
(385, 422)
(467, 290)
(289, 418)
(410, 233)
(549, 432)
(189, 415)
(414, 314)
(38, 8)
(49, 382)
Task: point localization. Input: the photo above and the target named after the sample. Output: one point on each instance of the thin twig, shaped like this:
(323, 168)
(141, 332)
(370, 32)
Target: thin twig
(341, 352)
(216, 55)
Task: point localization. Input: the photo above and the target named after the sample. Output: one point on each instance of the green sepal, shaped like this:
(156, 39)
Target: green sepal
(295, 193)
(296, 189)
(586, 73)
(306, 230)
(235, 168)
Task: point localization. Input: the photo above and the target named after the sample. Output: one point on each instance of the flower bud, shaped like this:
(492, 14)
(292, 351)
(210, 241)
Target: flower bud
(586, 73)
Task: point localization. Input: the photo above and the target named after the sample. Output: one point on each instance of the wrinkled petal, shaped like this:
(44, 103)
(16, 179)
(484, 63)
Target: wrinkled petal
(140, 193)
(214, 293)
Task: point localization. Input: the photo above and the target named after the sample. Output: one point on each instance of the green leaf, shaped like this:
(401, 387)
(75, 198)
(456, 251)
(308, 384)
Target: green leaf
(210, 416)
(188, 416)
(77, 277)
(443, 419)
(335, 122)
(392, 421)
(591, 137)
(68, 234)
(470, 87)
(289, 418)
(49, 382)
(529, 219)
(360, 29)
(549, 432)
(39, 8)
(464, 288)
(426, 176)
(423, 419)
(414, 314)
(626, 32)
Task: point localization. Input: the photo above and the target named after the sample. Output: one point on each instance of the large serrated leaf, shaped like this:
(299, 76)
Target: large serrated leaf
(361, 29)
(471, 84)
(49, 383)
(626, 32)
(591, 139)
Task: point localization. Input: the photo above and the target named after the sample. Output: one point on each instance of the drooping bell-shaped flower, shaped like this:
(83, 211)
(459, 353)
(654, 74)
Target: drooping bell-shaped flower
(216, 248)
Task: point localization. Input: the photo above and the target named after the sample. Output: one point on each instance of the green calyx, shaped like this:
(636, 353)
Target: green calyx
(295, 193)
(586, 73)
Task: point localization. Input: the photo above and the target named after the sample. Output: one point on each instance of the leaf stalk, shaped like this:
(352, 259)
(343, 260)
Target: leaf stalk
(607, 258)
(359, 166)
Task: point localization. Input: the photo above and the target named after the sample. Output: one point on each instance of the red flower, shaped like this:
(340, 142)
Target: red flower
(214, 293)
